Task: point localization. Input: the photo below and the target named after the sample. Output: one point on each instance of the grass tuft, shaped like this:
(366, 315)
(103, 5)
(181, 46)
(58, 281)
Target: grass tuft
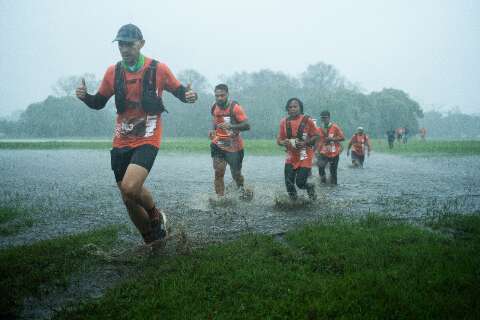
(375, 268)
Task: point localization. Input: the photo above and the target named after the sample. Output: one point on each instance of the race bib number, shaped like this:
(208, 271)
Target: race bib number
(137, 127)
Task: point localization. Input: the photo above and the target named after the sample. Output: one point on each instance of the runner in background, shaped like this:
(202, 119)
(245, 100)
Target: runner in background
(226, 147)
(359, 141)
(298, 134)
(328, 147)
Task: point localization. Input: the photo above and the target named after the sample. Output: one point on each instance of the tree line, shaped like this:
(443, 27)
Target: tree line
(263, 95)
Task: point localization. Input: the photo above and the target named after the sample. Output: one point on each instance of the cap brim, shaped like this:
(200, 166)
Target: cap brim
(126, 39)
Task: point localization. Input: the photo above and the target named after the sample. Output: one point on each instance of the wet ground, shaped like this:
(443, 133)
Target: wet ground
(69, 191)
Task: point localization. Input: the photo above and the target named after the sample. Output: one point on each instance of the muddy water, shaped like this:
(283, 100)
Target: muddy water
(68, 191)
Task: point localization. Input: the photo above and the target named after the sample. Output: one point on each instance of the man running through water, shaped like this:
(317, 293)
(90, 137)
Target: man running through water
(137, 82)
(226, 147)
(359, 141)
(298, 134)
(328, 147)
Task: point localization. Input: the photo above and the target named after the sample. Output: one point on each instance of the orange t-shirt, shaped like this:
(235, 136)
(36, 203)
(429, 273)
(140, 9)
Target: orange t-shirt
(228, 140)
(298, 157)
(135, 127)
(330, 150)
(358, 143)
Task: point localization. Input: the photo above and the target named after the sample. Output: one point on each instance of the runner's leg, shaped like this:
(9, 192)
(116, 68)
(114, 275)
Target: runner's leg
(131, 188)
(219, 166)
(235, 160)
(290, 175)
(333, 168)
(322, 163)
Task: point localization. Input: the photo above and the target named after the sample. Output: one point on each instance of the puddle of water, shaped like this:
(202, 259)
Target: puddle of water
(69, 191)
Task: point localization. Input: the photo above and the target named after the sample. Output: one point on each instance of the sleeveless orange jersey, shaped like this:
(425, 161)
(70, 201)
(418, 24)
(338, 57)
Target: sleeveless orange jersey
(228, 140)
(135, 127)
(295, 156)
(330, 150)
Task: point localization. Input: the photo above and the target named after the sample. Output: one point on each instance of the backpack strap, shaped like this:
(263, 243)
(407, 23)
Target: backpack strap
(301, 127)
(233, 119)
(232, 113)
(120, 89)
(150, 77)
(288, 128)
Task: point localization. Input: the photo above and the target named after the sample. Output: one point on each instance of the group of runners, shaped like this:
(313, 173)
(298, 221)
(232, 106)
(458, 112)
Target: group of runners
(402, 134)
(137, 82)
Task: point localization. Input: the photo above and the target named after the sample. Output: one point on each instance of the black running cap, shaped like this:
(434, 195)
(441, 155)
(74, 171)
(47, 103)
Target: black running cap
(325, 114)
(129, 33)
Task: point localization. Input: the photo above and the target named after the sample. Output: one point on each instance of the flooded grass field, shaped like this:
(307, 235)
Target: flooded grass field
(69, 191)
(50, 194)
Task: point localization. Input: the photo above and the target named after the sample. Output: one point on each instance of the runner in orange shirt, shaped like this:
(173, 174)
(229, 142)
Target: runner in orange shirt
(423, 133)
(137, 83)
(359, 141)
(328, 147)
(229, 119)
(298, 134)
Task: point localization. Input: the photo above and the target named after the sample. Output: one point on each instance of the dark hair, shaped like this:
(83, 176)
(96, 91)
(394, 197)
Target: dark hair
(325, 114)
(299, 102)
(221, 86)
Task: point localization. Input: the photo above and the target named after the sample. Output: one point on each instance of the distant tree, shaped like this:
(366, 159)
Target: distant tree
(451, 125)
(65, 117)
(393, 108)
(322, 77)
(197, 80)
(65, 86)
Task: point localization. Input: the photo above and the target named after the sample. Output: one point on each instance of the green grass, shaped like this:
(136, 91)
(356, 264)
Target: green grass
(416, 146)
(7, 214)
(13, 221)
(256, 146)
(24, 269)
(373, 269)
(194, 145)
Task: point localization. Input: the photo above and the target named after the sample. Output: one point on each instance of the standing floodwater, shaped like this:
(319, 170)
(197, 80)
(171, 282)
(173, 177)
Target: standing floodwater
(69, 191)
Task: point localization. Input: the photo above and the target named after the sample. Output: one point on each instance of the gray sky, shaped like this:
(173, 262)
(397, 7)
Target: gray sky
(430, 49)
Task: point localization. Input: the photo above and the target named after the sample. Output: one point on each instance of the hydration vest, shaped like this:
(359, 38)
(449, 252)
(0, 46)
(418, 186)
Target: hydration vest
(232, 114)
(300, 130)
(149, 100)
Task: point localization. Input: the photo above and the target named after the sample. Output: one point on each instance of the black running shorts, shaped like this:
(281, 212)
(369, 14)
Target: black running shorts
(121, 157)
(234, 159)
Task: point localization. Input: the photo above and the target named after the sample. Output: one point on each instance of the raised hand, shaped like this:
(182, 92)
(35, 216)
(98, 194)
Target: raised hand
(190, 95)
(81, 90)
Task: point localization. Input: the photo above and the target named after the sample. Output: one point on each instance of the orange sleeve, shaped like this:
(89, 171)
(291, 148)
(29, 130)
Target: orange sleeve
(351, 141)
(106, 88)
(165, 78)
(340, 132)
(239, 113)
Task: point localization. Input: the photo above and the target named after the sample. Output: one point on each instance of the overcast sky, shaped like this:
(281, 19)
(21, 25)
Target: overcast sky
(430, 49)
